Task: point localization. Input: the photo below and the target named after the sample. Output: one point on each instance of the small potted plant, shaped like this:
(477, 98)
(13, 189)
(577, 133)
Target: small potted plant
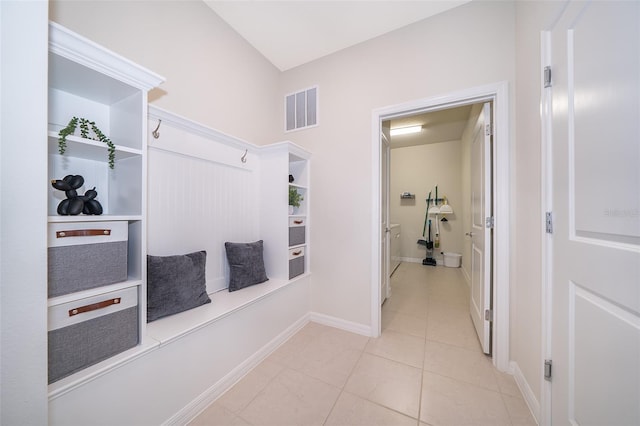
(294, 199)
(84, 133)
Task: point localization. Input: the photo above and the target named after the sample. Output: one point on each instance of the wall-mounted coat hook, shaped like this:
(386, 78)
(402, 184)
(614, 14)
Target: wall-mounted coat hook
(156, 133)
(244, 156)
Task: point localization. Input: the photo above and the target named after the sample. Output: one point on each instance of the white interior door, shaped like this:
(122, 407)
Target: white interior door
(480, 300)
(384, 210)
(595, 243)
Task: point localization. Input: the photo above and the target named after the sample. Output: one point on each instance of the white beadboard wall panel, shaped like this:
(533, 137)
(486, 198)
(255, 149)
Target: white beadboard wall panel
(200, 198)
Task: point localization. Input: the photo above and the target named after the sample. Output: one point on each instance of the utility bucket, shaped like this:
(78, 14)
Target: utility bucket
(452, 260)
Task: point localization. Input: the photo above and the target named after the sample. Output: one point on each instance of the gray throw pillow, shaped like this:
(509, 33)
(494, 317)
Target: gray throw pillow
(246, 264)
(175, 284)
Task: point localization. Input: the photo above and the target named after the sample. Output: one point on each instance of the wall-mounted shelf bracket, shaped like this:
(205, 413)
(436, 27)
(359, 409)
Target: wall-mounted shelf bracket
(435, 201)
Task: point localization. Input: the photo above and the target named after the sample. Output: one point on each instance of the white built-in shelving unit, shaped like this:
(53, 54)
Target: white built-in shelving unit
(299, 219)
(277, 162)
(88, 81)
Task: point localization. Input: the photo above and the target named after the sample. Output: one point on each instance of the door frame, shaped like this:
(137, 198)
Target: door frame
(386, 145)
(546, 205)
(497, 93)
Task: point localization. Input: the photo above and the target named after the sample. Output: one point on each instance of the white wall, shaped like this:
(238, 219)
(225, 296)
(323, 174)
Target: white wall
(466, 47)
(23, 232)
(213, 76)
(417, 169)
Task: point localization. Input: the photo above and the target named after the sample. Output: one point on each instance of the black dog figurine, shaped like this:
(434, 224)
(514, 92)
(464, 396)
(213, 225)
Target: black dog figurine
(76, 204)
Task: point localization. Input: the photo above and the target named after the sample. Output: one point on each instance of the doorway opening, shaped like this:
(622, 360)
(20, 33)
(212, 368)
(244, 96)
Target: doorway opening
(442, 172)
(496, 94)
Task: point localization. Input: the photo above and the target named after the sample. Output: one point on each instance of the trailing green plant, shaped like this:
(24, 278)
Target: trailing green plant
(294, 197)
(62, 135)
(84, 133)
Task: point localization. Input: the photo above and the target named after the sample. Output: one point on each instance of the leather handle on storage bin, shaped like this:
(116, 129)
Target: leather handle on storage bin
(298, 222)
(94, 306)
(83, 233)
(297, 253)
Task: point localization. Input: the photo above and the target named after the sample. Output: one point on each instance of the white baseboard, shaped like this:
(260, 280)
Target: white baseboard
(525, 389)
(198, 405)
(410, 259)
(438, 258)
(341, 324)
(466, 275)
(419, 260)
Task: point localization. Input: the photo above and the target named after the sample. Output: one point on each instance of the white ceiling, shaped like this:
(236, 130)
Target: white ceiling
(437, 126)
(294, 32)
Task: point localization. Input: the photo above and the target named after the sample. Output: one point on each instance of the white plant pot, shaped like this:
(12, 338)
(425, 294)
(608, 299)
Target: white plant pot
(291, 208)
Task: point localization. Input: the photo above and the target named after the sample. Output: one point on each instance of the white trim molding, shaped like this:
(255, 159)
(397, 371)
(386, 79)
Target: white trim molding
(498, 94)
(546, 205)
(341, 324)
(527, 393)
(67, 44)
(198, 405)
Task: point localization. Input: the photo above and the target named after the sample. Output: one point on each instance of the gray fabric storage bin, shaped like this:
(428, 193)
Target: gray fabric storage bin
(296, 262)
(86, 338)
(296, 267)
(81, 262)
(296, 235)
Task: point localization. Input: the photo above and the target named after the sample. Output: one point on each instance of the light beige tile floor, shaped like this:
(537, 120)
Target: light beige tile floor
(427, 368)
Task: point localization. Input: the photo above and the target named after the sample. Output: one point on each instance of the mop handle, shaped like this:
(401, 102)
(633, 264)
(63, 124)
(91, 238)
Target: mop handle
(426, 215)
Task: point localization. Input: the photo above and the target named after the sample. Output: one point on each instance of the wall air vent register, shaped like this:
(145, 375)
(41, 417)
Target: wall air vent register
(301, 109)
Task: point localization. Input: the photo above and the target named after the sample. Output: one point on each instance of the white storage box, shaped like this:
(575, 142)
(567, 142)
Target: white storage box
(86, 331)
(452, 260)
(85, 255)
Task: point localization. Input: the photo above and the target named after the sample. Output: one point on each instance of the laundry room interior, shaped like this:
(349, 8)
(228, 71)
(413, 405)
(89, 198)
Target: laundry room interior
(435, 158)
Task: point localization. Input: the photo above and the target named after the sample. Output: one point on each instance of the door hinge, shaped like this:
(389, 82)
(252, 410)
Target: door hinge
(549, 222)
(488, 315)
(547, 369)
(547, 76)
(488, 130)
(489, 222)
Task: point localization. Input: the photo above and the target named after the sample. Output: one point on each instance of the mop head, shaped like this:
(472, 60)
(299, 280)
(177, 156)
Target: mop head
(429, 261)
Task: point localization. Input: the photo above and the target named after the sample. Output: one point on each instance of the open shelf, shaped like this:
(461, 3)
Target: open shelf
(59, 300)
(89, 149)
(92, 218)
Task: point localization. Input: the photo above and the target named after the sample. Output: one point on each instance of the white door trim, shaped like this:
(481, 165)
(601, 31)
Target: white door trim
(498, 93)
(546, 205)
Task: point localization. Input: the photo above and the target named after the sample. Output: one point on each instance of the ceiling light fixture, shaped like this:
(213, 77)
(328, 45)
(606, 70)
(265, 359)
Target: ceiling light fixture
(406, 130)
